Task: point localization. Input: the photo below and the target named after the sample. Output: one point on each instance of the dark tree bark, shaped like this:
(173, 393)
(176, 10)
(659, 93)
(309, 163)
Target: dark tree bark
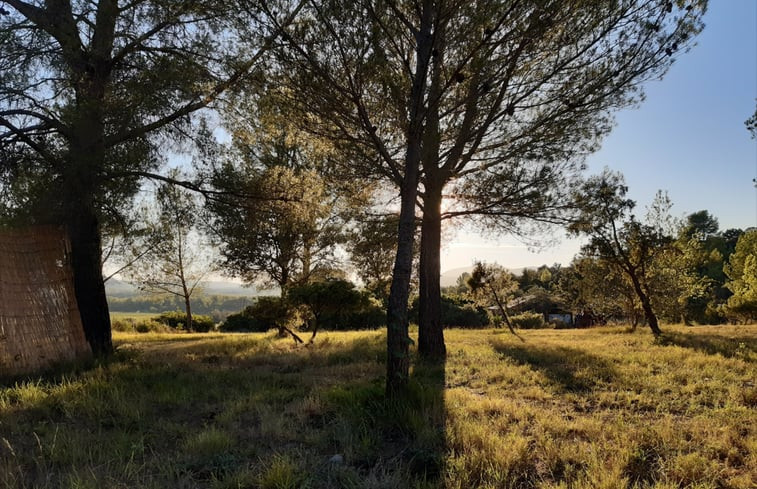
(430, 330)
(646, 305)
(84, 234)
(397, 339)
(86, 157)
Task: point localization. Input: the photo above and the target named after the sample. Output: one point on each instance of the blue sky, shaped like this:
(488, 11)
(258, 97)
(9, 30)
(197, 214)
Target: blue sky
(687, 137)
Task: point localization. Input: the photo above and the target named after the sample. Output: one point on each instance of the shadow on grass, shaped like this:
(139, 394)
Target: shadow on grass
(713, 344)
(196, 415)
(570, 369)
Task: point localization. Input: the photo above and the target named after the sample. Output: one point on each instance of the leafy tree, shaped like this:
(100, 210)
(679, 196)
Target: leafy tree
(283, 240)
(617, 237)
(91, 95)
(492, 285)
(177, 260)
(593, 286)
(741, 270)
(504, 100)
(372, 244)
(323, 298)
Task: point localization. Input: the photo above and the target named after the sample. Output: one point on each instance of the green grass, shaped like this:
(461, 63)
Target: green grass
(598, 408)
(134, 316)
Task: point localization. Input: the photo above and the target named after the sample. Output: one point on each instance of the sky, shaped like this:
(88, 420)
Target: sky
(687, 138)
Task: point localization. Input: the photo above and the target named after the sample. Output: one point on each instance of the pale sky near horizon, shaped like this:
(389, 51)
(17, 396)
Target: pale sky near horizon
(688, 137)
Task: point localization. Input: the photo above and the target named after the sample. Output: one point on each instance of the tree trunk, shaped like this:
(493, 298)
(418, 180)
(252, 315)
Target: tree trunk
(315, 329)
(646, 306)
(188, 309)
(430, 330)
(80, 185)
(89, 288)
(397, 339)
(503, 310)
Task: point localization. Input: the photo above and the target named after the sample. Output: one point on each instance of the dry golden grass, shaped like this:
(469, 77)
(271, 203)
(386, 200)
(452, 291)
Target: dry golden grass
(561, 409)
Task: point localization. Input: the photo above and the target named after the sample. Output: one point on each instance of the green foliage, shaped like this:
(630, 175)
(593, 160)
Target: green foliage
(528, 320)
(178, 320)
(131, 325)
(281, 240)
(216, 306)
(266, 313)
(243, 321)
(741, 270)
(335, 305)
(457, 312)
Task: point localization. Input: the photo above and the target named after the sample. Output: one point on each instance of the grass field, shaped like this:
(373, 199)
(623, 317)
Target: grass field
(598, 408)
(134, 316)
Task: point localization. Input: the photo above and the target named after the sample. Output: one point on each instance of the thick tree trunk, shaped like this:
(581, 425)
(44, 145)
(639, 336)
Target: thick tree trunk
(430, 330)
(84, 234)
(81, 182)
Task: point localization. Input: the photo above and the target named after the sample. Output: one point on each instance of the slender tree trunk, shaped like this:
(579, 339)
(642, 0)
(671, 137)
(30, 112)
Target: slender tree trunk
(503, 309)
(188, 309)
(315, 329)
(430, 330)
(397, 338)
(646, 306)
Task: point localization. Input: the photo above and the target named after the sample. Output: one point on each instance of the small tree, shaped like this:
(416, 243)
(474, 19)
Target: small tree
(175, 263)
(278, 241)
(493, 285)
(741, 270)
(617, 237)
(322, 298)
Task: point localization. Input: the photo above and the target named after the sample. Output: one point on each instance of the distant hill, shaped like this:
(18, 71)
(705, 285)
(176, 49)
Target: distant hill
(119, 288)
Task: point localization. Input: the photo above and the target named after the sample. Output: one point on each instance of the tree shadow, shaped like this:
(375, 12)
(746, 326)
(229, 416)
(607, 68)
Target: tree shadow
(714, 344)
(570, 369)
(201, 412)
(427, 459)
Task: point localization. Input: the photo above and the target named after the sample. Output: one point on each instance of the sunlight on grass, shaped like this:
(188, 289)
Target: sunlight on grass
(562, 409)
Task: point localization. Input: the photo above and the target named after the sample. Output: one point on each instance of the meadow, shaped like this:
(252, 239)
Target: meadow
(595, 408)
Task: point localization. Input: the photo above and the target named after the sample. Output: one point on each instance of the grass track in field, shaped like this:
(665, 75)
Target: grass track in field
(562, 409)
(134, 316)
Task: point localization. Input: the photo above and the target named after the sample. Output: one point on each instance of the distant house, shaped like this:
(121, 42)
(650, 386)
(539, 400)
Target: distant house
(544, 303)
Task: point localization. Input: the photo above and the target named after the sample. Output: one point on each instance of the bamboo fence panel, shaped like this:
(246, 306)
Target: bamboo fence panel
(40, 324)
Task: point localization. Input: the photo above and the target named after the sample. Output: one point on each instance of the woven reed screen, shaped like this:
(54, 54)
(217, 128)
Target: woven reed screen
(39, 320)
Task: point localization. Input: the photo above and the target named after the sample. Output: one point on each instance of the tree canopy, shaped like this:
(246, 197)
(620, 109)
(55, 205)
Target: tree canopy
(91, 94)
(490, 105)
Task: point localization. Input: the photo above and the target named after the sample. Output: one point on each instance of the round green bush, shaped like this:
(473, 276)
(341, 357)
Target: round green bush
(528, 320)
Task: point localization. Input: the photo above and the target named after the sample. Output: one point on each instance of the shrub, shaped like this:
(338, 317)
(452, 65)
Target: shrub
(243, 321)
(150, 326)
(456, 312)
(264, 314)
(178, 320)
(123, 325)
(528, 320)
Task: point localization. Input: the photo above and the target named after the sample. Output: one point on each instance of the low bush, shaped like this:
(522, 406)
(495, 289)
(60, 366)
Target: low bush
(457, 312)
(528, 320)
(178, 320)
(139, 326)
(243, 322)
(265, 314)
